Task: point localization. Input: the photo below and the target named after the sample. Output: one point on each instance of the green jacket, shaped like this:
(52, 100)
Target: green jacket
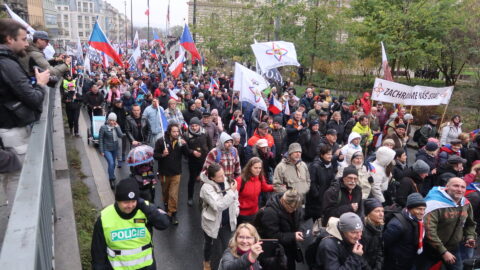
(35, 57)
(446, 227)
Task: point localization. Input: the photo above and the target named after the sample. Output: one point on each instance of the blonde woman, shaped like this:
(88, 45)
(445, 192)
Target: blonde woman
(243, 250)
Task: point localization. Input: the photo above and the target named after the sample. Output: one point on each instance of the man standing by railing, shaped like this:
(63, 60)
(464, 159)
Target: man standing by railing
(21, 97)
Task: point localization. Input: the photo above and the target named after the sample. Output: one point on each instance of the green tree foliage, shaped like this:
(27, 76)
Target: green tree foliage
(417, 33)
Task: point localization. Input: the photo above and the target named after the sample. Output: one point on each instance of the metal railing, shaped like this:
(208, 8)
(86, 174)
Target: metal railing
(28, 242)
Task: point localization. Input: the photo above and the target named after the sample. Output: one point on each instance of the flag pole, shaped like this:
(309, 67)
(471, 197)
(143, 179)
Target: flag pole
(161, 124)
(444, 112)
(148, 24)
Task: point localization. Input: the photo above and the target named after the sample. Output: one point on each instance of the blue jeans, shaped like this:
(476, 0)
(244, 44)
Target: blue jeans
(110, 156)
(465, 252)
(424, 262)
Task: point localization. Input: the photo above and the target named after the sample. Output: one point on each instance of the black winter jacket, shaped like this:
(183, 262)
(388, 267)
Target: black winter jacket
(189, 114)
(93, 100)
(335, 254)
(336, 201)
(15, 85)
(137, 131)
(409, 184)
(339, 127)
(277, 223)
(172, 163)
(321, 178)
(373, 246)
(400, 243)
(309, 140)
(197, 142)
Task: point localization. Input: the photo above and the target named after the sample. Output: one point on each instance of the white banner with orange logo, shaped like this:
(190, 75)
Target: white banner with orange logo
(392, 92)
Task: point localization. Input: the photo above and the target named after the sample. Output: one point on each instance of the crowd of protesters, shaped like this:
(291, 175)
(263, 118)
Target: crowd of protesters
(324, 161)
(341, 165)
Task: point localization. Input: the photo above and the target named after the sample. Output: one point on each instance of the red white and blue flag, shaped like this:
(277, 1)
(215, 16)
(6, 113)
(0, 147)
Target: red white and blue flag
(99, 41)
(157, 39)
(176, 67)
(187, 42)
(154, 53)
(213, 85)
(275, 106)
(173, 95)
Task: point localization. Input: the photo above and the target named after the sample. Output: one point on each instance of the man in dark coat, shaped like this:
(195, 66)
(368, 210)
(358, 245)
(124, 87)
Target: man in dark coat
(412, 182)
(281, 220)
(331, 140)
(191, 111)
(401, 236)
(137, 128)
(309, 140)
(198, 145)
(343, 196)
(322, 173)
(16, 86)
(168, 152)
(340, 248)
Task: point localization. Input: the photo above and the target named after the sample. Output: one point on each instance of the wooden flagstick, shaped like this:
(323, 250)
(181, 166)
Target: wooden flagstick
(443, 115)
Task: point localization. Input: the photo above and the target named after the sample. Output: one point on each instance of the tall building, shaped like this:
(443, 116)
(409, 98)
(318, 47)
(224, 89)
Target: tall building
(17, 6)
(50, 17)
(35, 14)
(76, 19)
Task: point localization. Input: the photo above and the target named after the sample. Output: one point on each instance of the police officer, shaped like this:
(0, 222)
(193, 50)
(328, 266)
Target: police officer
(122, 236)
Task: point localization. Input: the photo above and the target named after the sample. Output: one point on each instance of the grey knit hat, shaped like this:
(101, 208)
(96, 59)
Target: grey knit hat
(112, 116)
(350, 170)
(294, 147)
(421, 167)
(415, 200)
(195, 120)
(349, 222)
(292, 198)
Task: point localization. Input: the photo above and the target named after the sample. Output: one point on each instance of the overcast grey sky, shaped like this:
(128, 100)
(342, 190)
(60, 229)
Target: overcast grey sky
(158, 11)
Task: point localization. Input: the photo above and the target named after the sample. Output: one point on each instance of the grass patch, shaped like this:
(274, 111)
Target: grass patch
(85, 212)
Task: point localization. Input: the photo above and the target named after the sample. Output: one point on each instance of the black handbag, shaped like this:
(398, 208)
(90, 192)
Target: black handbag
(21, 114)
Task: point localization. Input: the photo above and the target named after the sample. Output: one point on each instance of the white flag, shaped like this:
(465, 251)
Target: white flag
(135, 40)
(49, 51)
(87, 64)
(275, 54)
(250, 84)
(79, 51)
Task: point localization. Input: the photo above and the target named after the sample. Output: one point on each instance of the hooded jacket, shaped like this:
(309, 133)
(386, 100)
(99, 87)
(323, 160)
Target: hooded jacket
(446, 223)
(450, 132)
(364, 131)
(384, 157)
(366, 103)
(334, 253)
(350, 146)
(214, 203)
(229, 159)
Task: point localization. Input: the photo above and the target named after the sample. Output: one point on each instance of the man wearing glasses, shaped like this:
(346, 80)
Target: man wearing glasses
(36, 57)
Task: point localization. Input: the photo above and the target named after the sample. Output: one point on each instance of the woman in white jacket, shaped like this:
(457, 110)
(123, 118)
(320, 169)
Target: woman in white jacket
(381, 170)
(451, 130)
(219, 210)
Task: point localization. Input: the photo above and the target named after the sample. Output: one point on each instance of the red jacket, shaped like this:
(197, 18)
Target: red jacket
(248, 198)
(253, 140)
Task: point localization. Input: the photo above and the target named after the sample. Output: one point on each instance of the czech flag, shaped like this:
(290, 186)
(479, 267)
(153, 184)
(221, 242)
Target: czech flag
(157, 39)
(177, 65)
(213, 85)
(275, 107)
(187, 42)
(154, 53)
(99, 41)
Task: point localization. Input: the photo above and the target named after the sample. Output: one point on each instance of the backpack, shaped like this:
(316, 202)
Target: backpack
(417, 135)
(311, 250)
(397, 215)
(219, 154)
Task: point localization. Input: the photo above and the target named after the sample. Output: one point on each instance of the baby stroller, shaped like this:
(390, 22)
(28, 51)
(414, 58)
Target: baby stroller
(93, 132)
(140, 160)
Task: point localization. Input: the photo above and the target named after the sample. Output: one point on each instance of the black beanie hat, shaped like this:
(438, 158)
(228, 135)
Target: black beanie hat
(370, 204)
(126, 190)
(349, 170)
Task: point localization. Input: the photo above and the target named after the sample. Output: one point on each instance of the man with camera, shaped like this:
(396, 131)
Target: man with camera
(35, 57)
(21, 99)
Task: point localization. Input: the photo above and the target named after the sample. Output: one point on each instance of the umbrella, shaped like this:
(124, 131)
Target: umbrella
(140, 155)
